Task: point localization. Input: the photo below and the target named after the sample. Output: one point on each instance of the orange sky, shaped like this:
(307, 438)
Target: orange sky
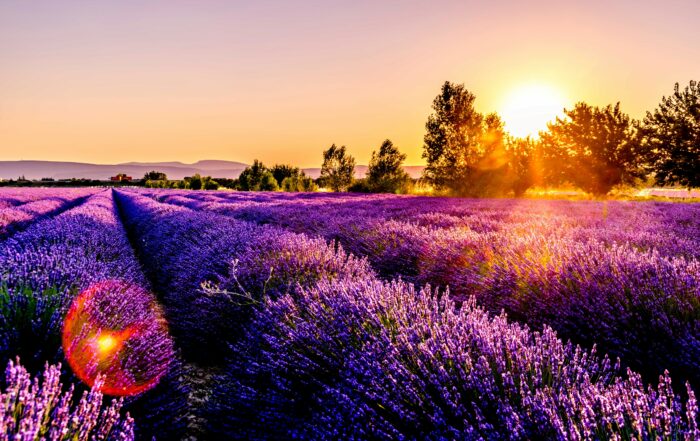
(280, 81)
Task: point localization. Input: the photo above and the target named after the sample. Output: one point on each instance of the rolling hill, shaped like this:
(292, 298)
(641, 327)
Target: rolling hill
(35, 170)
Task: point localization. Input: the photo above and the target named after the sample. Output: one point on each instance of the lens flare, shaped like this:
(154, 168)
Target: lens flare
(116, 330)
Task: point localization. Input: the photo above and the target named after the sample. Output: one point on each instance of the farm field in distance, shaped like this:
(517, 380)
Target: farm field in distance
(267, 315)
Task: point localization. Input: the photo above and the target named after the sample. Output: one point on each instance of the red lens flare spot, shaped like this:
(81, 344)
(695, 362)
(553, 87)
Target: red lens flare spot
(117, 331)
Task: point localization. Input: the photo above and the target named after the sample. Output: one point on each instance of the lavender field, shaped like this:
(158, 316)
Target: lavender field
(166, 314)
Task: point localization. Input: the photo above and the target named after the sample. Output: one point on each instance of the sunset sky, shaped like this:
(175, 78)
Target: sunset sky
(119, 81)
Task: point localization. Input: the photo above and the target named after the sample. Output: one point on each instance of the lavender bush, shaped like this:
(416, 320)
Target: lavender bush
(288, 330)
(384, 361)
(41, 408)
(212, 269)
(18, 210)
(46, 266)
(622, 275)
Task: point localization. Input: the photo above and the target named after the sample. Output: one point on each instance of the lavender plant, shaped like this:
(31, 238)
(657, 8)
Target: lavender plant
(385, 361)
(619, 274)
(196, 249)
(46, 266)
(41, 408)
(22, 209)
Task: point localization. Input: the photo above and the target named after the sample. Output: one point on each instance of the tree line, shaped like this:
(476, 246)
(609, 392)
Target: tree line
(384, 174)
(593, 148)
(471, 154)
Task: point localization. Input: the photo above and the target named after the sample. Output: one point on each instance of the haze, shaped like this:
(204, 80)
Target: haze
(108, 82)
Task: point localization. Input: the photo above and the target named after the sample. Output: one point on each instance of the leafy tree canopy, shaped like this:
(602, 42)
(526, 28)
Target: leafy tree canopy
(385, 173)
(155, 176)
(338, 169)
(462, 147)
(257, 177)
(672, 137)
(594, 148)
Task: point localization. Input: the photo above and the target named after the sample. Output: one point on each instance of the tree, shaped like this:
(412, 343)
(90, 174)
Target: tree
(672, 137)
(209, 184)
(257, 177)
(524, 164)
(299, 182)
(194, 182)
(459, 142)
(283, 171)
(268, 183)
(155, 176)
(338, 169)
(385, 173)
(593, 148)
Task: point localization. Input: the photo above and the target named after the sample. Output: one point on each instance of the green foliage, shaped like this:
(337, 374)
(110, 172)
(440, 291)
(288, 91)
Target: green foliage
(292, 179)
(299, 183)
(462, 147)
(385, 173)
(338, 169)
(283, 171)
(593, 148)
(524, 164)
(30, 323)
(194, 182)
(268, 183)
(672, 137)
(155, 176)
(209, 184)
(361, 186)
(161, 184)
(227, 183)
(257, 177)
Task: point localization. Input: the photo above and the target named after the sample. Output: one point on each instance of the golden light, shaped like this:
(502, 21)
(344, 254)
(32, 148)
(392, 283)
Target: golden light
(115, 330)
(528, 109)
(106, 344)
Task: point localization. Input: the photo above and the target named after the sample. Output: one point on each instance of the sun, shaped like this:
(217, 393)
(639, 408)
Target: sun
(106, 344)
(528, 109)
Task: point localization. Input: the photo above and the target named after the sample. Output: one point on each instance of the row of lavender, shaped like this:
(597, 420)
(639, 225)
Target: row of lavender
(672, 229)
(624, 276)
(19, 208)
(43, 268)
(317, 346)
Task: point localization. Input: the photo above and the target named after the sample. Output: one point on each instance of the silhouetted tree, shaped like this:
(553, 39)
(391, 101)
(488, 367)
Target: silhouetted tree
(672, 137)
(524, 164)
(282, 171)
(490, 177)
(257, 177)
(209, 184)
(593, 148)
(463, 148)
(155, 176)
(338, 169)
(385, 173)
(299, 182)
(194, 182)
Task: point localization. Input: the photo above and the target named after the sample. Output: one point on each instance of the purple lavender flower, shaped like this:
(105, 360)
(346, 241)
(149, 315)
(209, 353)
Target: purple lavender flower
(40, 408)
(373, 360)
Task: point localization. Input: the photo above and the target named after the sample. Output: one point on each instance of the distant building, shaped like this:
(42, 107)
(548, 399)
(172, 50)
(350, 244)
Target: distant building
(121, 177)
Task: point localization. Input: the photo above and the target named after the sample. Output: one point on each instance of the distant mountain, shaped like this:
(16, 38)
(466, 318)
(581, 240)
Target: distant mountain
(66, 170)
(206, 164)
(174, 169)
